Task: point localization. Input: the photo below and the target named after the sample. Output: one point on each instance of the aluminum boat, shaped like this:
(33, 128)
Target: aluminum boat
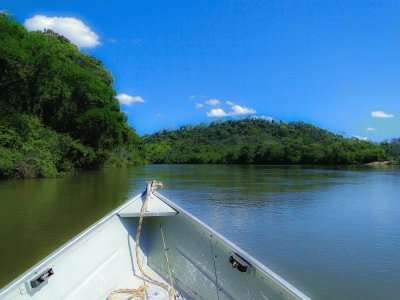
(176, 257)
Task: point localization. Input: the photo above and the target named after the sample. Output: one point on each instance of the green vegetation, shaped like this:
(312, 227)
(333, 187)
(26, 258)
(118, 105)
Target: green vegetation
(392, 149)
(58, 113)
(258, 141)
(58, 110)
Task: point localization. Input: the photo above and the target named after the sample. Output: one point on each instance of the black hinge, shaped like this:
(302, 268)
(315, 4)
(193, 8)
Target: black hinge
(239, 263)
(42, 278)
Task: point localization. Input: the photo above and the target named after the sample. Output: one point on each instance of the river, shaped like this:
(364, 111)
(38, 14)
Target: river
(333, 232)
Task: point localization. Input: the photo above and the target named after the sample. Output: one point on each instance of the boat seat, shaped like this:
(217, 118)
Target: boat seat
(155, 208)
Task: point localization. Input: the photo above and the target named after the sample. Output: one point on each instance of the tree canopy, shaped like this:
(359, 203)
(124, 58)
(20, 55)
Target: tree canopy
(59, 112)
(59, 103)
(258, 141)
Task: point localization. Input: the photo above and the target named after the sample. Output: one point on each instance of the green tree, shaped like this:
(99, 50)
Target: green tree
(48, 85)
(256, 141)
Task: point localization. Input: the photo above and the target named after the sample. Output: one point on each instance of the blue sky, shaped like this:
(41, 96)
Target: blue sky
(335, 64)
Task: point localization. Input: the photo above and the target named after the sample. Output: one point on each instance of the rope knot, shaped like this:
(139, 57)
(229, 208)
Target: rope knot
(142, 288)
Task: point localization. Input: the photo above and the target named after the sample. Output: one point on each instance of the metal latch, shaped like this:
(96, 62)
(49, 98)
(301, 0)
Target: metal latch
(239, 263)
(42, 278)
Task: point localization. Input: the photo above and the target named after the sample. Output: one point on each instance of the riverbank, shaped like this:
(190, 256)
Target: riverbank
(382, 163)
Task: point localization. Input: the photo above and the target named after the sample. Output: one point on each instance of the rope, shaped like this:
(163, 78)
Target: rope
(171, 292)
(140, 291)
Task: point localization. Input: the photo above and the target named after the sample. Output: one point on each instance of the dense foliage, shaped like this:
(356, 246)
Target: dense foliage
(258, 141)
(392, 148)
(58, 112)
(58, 109)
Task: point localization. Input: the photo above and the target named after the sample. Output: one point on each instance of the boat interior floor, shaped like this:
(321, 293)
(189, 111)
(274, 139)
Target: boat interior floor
(151, 292)
(134, 282)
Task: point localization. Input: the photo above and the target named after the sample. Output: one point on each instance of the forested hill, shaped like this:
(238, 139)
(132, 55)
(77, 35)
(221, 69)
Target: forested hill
(258, 141)
(58, 110)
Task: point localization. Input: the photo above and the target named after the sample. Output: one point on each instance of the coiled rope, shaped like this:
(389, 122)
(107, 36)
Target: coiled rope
(134, 293)
(140, 292)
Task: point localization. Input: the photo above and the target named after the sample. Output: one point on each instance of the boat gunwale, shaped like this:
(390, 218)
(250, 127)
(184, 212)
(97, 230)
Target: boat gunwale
(31, 271)
(271, 274)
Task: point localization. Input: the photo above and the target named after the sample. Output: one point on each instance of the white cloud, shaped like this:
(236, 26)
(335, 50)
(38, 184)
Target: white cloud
(235, 110)
(199, 105)
(192, 97)
(361, 138)
(212, 102)
(267, 118)
(112, 40)
(73, 29)
(128, 100)
(371, 129)
(241, 110)
(217, 112)
(381, 114)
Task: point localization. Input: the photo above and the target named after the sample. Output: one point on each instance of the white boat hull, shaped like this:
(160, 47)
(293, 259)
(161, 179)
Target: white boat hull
(102, 259)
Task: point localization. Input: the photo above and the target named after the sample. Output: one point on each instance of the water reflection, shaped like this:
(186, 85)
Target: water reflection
(330, 231)
(37, 216)
(317, 227)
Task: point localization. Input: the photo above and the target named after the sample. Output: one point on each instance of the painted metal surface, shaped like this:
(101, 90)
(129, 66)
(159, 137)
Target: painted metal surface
(199, 258)
(101, 259)
(155, 207)
(88, 267)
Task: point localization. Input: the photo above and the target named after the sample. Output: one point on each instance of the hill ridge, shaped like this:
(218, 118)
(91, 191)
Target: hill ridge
(258, 141)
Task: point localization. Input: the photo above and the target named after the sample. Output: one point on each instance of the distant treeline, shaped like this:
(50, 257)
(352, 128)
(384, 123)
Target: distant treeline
(58, 110)
(259, 141)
